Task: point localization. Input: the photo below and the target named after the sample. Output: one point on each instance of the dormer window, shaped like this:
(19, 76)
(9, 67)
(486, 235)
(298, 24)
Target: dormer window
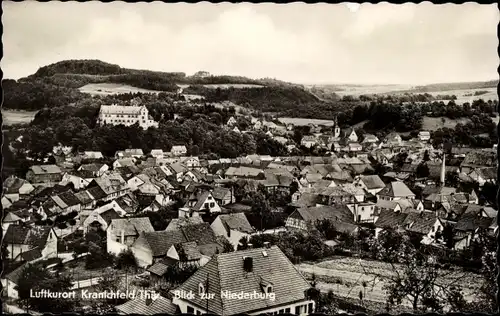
(201, 288)
(269, 289)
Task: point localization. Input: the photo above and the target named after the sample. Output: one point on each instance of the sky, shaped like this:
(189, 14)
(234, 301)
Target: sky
(302, 43)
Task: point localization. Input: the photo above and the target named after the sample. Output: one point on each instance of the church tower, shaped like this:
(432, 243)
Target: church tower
(336, 128)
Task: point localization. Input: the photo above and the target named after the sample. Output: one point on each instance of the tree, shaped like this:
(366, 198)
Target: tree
(126, 261)
(426, 156)
(226, 245)
(422, 171)
(35, 278)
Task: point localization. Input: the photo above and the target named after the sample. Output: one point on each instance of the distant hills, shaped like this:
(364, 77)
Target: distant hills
(77, 73)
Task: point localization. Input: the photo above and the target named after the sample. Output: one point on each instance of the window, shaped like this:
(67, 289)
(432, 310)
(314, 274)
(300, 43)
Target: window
(297, 310)
(269, 289)
(118, 239)
(282, 311)
(206, 205)
(190, 310)
(212, 204)
(198, 312)
(310, 308)
(287, 310)
(362, 208)
(201, 289)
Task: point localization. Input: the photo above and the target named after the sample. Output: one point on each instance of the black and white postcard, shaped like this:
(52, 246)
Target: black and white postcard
(260, 159)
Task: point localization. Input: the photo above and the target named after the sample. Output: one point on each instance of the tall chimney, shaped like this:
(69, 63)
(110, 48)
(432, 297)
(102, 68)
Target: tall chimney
(267, 244)
(248, 264)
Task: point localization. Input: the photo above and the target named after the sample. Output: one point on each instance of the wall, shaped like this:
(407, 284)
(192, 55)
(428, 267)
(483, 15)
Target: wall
(111, 245)
(50, 249)
(233, 237)
(142, 252)
(15, 250)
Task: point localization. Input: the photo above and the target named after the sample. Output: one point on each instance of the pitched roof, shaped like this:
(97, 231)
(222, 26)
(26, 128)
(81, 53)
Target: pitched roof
(420, 222)
(225, 272)
(93, 167)
(132, 226)
(13, 184)
(220, 192)
(390, 219)
(333, 213)
(161, 241)
(15, 274)
(45, 169)
(31, 254)
(396, 189)
(139, 306)
(96, 192)
(68, 198)
(471, 221)
(84, 197)
(373, 182)
(177, 223)
(479, 158)
(190, 250)
(236, 221)
(109, 215)
(21, 235)
(201, 233)
(160, 267)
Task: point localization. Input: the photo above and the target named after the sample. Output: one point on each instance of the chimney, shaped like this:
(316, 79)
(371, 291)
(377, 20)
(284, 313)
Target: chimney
(267, 244)
(250, 246)
(248, 264)
(149, 300)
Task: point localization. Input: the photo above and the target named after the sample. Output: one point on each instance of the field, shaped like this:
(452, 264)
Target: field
(468, 95)
(225, 86)
(369, 89)
(434, 123)
(11, 117)
(112, 88)
(345, 277)
(303, 121)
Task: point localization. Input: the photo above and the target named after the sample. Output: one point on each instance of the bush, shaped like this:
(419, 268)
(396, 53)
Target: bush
(72, 222)
(62, 225)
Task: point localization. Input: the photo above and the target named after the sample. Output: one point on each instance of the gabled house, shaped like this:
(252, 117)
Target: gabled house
(123, 162)
(92, 155)
(309, 141)
(20, 239)
(79, 179)
(372, 183)
(47, 174)
(305, 218)
(178, 223)
(157, 153)
(100, 218)
(178, 150)
(200, 202)
(123, 232)
(349, 134)
(151, 247)
(280, 290)
(424, 136)
(425, 224)
(394, 191)
(10, 280)
(96, 169)
(365, 212)
(17, 189)
(223, 196)
(67, 202)
(112, 184)
(392, 140)
(231, 122)
(369, 139)
(233, 227)
(389, 219)
(87, 201)
(484, 175)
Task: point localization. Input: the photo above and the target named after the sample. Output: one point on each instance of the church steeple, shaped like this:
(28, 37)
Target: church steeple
(336, 127)
(443, 171)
